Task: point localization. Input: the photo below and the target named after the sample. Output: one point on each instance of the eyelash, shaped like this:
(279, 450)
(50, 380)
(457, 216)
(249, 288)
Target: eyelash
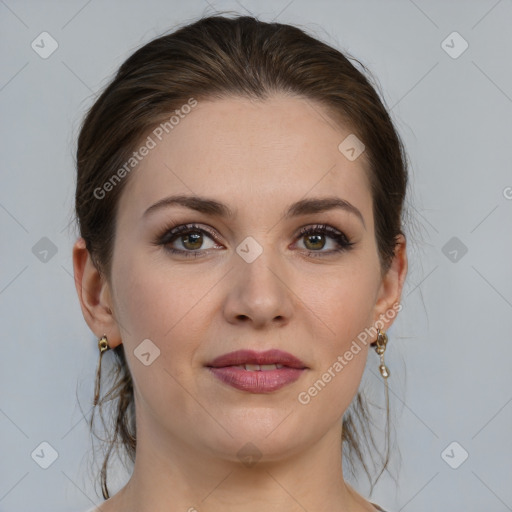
(171, 233)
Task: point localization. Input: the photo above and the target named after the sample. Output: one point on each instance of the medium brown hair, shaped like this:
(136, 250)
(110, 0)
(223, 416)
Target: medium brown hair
(219, 57)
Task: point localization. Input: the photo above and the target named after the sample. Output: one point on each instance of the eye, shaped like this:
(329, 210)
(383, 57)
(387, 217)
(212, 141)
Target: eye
(191, 238)
(314, 239)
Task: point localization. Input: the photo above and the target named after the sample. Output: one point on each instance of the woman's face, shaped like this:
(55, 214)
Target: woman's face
(250, 281)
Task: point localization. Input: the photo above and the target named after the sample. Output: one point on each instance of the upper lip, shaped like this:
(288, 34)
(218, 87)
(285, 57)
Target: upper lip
(241, 357)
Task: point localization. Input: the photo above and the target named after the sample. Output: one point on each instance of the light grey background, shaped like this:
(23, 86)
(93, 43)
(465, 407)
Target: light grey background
(449, 350)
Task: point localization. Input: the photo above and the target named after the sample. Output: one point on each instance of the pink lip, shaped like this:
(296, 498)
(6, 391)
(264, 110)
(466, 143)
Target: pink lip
(273, 356)
(257, 381)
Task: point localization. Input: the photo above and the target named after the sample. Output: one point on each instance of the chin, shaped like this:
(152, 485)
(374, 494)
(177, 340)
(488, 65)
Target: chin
(257, 436)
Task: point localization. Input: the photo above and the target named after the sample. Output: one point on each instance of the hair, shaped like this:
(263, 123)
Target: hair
(220, 57)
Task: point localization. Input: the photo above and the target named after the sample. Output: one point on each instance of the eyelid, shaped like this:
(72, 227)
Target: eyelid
(185, 228)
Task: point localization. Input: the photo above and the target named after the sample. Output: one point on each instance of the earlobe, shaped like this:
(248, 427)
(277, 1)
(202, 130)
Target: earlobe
(94, 295)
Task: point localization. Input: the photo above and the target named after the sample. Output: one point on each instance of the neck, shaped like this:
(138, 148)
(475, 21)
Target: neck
(174, 474)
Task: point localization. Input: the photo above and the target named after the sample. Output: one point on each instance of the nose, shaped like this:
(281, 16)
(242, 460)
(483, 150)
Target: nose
(259, 293)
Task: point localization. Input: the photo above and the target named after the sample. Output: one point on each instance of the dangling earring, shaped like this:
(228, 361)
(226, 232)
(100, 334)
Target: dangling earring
(382, 339)
(102, 346)
(380, 348)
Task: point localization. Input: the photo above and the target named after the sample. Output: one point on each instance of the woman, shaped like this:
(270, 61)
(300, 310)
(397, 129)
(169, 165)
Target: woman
(239, 198)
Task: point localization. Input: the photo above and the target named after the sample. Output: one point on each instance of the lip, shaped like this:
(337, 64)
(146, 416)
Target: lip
(226, 368)
(272, 356)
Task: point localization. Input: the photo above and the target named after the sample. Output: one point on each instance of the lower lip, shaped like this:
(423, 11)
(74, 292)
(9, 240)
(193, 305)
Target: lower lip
(258, 381)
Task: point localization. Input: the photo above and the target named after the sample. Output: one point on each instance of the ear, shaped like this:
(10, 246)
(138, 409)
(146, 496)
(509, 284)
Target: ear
(390, 290)
(94, 294)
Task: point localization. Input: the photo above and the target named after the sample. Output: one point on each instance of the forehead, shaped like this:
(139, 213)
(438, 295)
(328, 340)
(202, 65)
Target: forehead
(245, 153)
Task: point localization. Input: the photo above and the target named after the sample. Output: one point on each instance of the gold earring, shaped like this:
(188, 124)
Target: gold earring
(380, 347)
(382, 339)
(102, 346)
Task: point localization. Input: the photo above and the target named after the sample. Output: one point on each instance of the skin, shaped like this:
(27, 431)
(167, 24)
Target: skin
(257, 157)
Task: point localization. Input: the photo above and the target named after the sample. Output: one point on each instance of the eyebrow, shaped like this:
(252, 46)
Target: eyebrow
(215, 208)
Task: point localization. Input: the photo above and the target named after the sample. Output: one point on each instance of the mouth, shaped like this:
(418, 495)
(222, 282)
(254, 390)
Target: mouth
(257, 372)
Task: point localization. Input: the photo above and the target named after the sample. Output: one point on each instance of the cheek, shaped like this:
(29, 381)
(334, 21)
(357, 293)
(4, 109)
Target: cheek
(151, 307)
(154, 302)
(344, 302)
(158, 306)
(343, 305)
